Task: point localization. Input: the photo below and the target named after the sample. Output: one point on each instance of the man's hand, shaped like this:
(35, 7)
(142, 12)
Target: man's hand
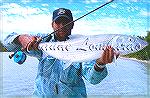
(107, 57)
(28, 42)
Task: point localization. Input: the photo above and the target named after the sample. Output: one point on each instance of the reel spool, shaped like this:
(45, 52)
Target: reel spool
(18, 57)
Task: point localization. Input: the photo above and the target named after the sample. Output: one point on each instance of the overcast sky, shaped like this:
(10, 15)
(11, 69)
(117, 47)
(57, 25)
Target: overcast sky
(130, 17)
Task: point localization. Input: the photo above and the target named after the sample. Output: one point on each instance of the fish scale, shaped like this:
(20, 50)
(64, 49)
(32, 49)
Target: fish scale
(85, 48)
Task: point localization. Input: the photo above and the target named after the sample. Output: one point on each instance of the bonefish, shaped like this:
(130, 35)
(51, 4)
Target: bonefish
(81, 48)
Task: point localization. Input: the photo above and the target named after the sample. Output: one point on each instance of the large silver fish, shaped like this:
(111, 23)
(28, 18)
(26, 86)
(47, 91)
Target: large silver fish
(85, 48)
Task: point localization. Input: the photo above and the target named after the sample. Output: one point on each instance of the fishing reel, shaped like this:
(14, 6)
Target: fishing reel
(18, 57)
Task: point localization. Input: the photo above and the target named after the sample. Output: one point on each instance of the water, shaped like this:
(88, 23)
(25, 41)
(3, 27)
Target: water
(127, 77)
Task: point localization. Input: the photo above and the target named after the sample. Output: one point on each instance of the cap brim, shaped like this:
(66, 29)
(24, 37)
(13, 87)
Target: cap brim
(60, 17)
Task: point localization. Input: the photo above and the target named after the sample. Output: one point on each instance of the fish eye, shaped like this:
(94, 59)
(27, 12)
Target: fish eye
(138, 46)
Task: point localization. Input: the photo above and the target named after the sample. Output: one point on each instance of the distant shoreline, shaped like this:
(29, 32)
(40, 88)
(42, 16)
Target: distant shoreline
(134, 59)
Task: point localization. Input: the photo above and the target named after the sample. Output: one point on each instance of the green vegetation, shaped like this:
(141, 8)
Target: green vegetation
(143, 54)
(2, 49)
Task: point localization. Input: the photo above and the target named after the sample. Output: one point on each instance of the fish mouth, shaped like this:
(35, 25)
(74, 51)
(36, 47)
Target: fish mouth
(144, 44)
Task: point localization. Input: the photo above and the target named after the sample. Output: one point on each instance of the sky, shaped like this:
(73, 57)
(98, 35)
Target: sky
(131, 17)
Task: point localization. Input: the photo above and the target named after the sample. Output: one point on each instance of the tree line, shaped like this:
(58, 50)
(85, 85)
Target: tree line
(143, 54)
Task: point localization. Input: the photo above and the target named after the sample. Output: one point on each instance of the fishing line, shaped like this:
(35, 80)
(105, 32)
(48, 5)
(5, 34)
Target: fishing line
(78, 18)
(40, 39)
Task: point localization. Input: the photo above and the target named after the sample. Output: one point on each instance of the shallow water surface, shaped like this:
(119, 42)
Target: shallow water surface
(126, 77)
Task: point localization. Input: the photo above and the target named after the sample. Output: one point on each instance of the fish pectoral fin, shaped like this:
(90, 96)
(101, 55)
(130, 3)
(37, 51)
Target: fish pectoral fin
(115, 58)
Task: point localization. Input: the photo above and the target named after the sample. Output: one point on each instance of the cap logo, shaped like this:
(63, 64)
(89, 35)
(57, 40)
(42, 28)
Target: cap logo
(61, 11)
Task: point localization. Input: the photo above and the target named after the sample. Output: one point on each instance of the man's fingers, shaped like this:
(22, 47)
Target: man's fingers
(110, 54)
(32, 45)
(35, 45)
(106, 54)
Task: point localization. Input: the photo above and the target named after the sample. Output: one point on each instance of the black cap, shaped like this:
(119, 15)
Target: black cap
(62, 12)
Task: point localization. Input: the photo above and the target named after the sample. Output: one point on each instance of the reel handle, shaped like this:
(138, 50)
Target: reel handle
(11, 55)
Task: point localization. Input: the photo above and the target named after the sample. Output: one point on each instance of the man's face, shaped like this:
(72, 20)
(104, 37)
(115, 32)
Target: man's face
(63, 33)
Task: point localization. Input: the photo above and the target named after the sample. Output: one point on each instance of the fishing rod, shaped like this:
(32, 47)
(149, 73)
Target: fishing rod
(79, 18)
(20, 56)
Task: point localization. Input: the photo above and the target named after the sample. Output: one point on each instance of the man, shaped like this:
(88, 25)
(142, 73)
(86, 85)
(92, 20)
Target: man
(51, 78)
